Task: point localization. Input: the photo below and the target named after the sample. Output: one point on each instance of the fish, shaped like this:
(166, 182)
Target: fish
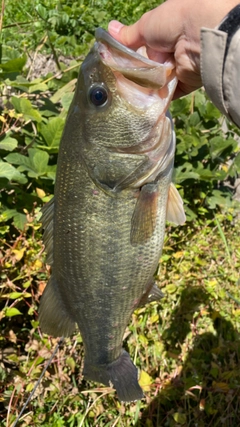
(104, 229)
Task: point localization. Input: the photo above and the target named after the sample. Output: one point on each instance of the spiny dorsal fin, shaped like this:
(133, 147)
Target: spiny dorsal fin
(175, 210)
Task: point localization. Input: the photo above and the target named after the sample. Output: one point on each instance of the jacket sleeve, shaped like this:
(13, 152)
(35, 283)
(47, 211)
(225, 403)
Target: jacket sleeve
(220, 64)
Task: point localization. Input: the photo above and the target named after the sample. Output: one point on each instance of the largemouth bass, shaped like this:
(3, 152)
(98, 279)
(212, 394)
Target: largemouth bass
(104, 230)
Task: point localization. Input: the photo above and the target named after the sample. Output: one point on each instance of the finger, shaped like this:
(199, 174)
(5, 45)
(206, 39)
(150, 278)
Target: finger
(184, 88)
(157, 29)
(127, 35)
(157, 56)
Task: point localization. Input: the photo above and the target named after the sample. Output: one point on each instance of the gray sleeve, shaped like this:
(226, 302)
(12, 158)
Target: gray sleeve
(220, 65)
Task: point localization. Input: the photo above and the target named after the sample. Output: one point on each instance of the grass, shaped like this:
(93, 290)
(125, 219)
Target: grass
(187, 346)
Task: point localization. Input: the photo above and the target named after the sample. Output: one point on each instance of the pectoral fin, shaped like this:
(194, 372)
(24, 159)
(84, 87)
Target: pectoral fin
(144, 217)
(175, 210)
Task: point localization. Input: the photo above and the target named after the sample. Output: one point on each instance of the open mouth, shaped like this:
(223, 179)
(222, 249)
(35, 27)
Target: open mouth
(134, 65)
(141, 81)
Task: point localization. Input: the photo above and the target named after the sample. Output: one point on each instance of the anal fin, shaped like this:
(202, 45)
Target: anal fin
(53, 319)
(153, 293)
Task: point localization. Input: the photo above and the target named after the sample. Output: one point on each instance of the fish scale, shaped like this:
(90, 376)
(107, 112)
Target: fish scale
(105, 228)
(98, 245)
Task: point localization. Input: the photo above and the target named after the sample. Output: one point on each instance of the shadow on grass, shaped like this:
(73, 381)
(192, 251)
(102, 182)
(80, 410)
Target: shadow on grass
(206, 389)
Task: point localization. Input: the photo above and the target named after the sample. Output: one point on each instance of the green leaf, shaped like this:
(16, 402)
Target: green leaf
(52, 132)
(16, 295)
(39, 160)
(218, 198)
(42, 12)
(205, 174)
(11, 173)
(219, 144)
(171, 289)
(39, 87)
(145, 380)
(237, 161)
(8, 144)
(24, 106)
(52, 175)
(211, 111)
(71, 363)
(12, 311)
(200, 101)
(188, 144)
(180, 418)
(190, 214)
(194, 119)
(235, 167)
(20, 220)
(14, 65)
(67, 100)
(20, 83)
(30, 387)
(184, 172)
(17, 159)
(99, 16)
(36, 163)
(7, 214)
(66, 89)
(180, 106)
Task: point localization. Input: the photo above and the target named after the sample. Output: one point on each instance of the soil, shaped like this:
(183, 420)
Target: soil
(40, 65)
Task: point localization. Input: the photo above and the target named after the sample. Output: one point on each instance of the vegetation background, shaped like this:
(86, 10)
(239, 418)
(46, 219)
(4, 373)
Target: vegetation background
(187, 347)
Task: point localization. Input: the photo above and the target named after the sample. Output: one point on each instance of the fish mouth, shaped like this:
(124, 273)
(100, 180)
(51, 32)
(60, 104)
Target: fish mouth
(134, 65)
(141, 81)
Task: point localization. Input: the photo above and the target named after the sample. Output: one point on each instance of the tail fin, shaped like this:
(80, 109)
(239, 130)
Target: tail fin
(121, 374)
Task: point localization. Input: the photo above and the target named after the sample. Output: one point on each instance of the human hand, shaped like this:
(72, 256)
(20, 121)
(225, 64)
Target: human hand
(173, 29)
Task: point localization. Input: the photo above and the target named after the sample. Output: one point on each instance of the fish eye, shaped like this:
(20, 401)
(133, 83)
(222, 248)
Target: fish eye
(98, 95)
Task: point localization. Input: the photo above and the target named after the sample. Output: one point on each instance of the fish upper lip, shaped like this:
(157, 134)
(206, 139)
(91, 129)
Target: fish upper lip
(103, 36)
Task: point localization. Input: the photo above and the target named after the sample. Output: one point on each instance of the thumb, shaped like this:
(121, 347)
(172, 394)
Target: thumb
(158, 29)
(127, 35)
